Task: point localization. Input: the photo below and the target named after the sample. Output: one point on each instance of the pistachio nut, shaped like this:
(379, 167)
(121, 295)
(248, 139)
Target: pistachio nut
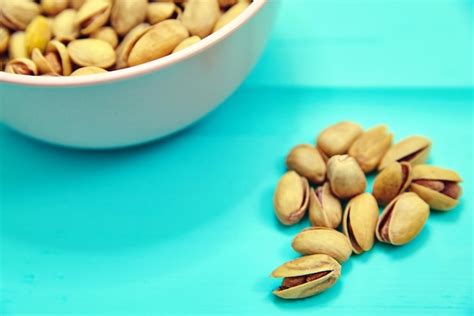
(307, 161)
(199, 17)
(160, 40)
(107, 34)
(56, 60)
(345, 176)
(324, 208)
(414, 149)
(360, 218)
(4, 39)
(17, 46)
(437, 186)
(17, 14)
(92, 15)
(227, 3)
(186, 43)
(306, 276)
(160, 11)
(323, 240)
(127, 14)
(91, 52)
(402, 219)
(90, 70)
(338, 138)
(64, 28)
(53, 7)
(392, 181)
(291, 198)
(38, 34)
(231, 14)
(369, 148)
(21, 66)
(76, 4)
(125, 47)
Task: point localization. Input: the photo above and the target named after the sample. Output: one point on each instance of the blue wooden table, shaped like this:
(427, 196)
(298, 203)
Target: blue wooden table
(186, 225)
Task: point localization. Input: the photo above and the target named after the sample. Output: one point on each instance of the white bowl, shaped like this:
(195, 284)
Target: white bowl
(142, 103)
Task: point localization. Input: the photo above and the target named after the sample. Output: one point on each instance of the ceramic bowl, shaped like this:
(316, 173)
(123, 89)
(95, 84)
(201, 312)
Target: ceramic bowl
(142, 103)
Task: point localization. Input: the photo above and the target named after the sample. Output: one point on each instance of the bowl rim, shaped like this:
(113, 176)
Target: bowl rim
(143, 69)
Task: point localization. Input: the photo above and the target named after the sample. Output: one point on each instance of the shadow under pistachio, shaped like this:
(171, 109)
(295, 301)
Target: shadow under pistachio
(404, 251)
(450, 216)
(314, 302)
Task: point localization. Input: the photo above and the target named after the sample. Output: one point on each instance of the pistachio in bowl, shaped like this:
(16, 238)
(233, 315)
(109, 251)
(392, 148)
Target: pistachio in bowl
(71, 38)
(108, 74)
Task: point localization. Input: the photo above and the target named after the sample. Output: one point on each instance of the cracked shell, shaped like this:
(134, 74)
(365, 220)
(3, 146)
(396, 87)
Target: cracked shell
(360, 219)
(437, 186)
(325, 209)
(338, 138)
(291, 198)
(402, 220)
(323, 240)
(92, 15)
(307, 161)
(414, 149)
(306, 276)
(370, 147)
(392, 181)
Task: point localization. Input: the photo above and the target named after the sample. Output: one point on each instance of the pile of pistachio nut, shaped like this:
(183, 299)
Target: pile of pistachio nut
(337, 165)
(80, 37)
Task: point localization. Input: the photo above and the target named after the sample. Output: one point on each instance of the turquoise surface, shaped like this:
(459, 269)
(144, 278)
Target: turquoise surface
(186, 225)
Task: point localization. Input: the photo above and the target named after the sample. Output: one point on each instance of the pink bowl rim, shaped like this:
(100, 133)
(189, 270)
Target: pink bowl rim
(143, 69)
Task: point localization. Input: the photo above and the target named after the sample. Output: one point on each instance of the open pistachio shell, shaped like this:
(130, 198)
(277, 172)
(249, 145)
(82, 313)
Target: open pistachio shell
(127, 14)
(17, 14)
(199, 17)
(414, 149)
(402, 220)
(160, 40)
(345, 176)
(323, 240)
(291, 198)
(307, 161)
(160, 11)
(360, 219)
(392, 181)
(129, 41)
(44, 66)
(92, 15)
(324, 208)
(306, 276)
(91, 52)
(369, 148)
(60, 50)
(338, 138)
(231, 14)
(437, 186)
(55, 61)
(64, 28)
(21, 66)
